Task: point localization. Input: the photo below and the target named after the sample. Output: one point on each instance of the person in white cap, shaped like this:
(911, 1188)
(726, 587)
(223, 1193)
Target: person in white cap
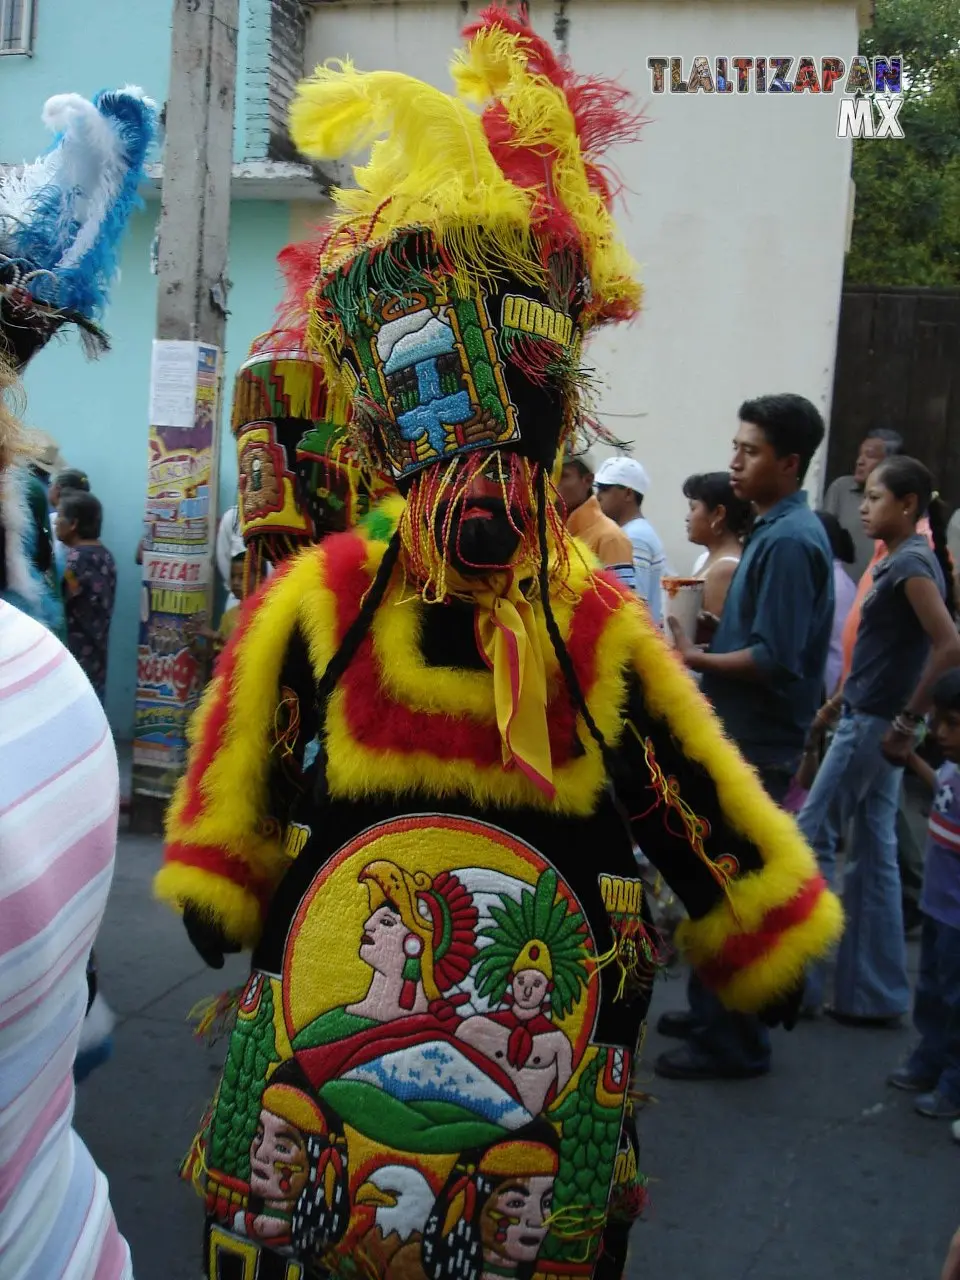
(622, 484)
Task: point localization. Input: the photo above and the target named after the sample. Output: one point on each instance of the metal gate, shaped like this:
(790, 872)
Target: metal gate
(898, 365)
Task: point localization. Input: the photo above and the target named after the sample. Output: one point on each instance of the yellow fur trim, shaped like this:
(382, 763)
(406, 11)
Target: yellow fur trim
(229, 904)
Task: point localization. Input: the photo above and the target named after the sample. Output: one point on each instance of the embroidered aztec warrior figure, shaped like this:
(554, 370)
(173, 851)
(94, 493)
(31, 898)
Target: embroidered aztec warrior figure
(451, 962)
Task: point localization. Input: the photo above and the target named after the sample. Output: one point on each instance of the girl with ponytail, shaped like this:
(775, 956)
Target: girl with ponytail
(906, 640)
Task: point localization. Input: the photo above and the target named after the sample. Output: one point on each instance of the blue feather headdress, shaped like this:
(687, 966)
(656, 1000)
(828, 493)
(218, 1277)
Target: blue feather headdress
(62, 218)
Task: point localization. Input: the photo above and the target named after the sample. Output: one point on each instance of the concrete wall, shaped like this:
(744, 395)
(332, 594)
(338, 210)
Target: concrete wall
(735, 207)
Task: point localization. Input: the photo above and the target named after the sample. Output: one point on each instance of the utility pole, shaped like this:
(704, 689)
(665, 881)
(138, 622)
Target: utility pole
(184, 443)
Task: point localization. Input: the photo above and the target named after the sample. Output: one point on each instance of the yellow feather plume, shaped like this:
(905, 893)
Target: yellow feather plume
(485, 68)
(429, 165)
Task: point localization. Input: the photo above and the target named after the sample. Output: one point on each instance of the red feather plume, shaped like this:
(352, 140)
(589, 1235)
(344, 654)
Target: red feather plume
(602, 110)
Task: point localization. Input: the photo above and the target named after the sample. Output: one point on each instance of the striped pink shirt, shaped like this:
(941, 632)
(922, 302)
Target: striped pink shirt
(58, 824)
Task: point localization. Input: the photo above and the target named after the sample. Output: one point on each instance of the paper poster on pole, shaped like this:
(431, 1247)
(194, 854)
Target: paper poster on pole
(173, 383)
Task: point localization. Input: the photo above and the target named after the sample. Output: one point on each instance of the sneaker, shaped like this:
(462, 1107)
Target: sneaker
(936, 1106)
(96, 1039)
(908, 1080)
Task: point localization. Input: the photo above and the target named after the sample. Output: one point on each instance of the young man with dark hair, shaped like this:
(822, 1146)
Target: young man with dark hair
(845, 494)
(89, 584)
(586, 521)
(763, 673)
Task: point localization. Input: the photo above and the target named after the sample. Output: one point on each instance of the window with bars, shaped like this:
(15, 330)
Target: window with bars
(16, 26)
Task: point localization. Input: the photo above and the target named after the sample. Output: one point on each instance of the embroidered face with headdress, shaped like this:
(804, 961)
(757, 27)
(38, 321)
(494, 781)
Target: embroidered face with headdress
(420, 934)
(278, 1153)
(299, 1184)
(458, 280)
(300, 477)
(493, 1215)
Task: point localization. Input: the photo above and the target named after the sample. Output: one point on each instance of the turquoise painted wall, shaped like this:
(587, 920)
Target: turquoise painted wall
(82, 46)
(98, 411)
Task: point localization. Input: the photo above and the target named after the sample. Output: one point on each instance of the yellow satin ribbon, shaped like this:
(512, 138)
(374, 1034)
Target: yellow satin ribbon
(507, 631)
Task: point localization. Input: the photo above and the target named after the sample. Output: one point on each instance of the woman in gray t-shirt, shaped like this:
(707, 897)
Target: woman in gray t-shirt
(907, 638)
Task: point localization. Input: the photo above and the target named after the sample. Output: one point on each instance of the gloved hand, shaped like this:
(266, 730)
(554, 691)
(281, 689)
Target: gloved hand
(207, 937)
(785, 1010)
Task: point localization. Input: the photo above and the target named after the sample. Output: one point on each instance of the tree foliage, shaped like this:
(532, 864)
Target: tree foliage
(907, 218)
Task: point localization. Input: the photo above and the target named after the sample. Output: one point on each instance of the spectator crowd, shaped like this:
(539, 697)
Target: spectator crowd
(825, 640)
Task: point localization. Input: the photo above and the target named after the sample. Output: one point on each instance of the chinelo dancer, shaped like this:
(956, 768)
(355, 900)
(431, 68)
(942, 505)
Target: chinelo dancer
(430, 1071)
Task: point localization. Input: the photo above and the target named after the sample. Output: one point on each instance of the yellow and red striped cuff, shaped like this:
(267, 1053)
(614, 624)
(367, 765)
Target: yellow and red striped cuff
(220, 886)
(748, 968)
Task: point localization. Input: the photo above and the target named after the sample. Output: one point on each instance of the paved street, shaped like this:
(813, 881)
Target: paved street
(816, 1171)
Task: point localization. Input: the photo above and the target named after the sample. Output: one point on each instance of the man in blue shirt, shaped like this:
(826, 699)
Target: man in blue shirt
(763, 672)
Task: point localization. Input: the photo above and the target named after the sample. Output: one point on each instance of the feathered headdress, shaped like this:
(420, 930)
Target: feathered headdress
(512, 200)
(62, 217)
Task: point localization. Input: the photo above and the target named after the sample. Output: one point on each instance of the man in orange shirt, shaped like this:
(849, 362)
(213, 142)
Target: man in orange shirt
(586, 521)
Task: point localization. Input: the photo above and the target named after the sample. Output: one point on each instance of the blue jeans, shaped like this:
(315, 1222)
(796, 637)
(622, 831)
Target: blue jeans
(936, 1009)
(733, 1039)
(857, 791)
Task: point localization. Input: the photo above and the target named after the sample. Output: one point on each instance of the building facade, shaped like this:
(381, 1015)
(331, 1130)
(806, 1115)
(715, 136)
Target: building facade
(737, 207)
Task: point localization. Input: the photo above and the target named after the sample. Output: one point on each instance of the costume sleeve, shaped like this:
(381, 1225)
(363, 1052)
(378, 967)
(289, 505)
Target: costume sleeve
(224, 837)
(759, 910)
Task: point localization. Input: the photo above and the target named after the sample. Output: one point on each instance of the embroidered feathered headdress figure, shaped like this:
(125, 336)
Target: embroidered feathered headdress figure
(459, 276)
(301, 475)
(62, 219)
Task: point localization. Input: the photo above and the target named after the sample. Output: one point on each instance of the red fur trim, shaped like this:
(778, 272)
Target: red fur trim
(602, 110)
(217, 862)
(346, 576)
(742, 950)
(383, 724)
